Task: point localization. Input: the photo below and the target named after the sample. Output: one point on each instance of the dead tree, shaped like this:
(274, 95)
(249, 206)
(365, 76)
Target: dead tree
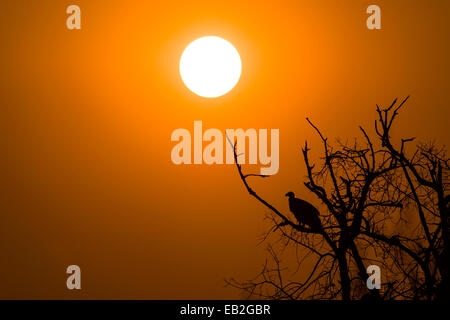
(366, 192)
(424, 183)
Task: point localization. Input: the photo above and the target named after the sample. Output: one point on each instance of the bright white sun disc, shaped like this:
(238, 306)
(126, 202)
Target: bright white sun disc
(210, 66)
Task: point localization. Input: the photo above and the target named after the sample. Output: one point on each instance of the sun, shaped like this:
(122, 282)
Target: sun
(210, 66)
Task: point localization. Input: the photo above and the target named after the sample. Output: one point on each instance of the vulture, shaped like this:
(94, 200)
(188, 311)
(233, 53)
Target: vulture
(304, 212)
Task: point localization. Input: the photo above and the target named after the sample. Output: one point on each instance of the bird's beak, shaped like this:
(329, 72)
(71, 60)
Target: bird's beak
(286, 194)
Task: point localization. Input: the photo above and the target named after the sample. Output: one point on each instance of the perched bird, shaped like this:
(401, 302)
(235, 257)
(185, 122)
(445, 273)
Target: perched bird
(304, 212)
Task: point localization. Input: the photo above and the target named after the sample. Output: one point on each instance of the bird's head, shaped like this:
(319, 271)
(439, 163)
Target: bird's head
(290, 194)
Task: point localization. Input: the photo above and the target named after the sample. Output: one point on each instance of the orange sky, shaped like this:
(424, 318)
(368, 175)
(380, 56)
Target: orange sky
(86, 118)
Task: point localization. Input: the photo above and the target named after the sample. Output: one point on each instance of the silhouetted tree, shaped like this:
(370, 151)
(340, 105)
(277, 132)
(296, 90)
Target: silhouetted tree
(380, 206)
